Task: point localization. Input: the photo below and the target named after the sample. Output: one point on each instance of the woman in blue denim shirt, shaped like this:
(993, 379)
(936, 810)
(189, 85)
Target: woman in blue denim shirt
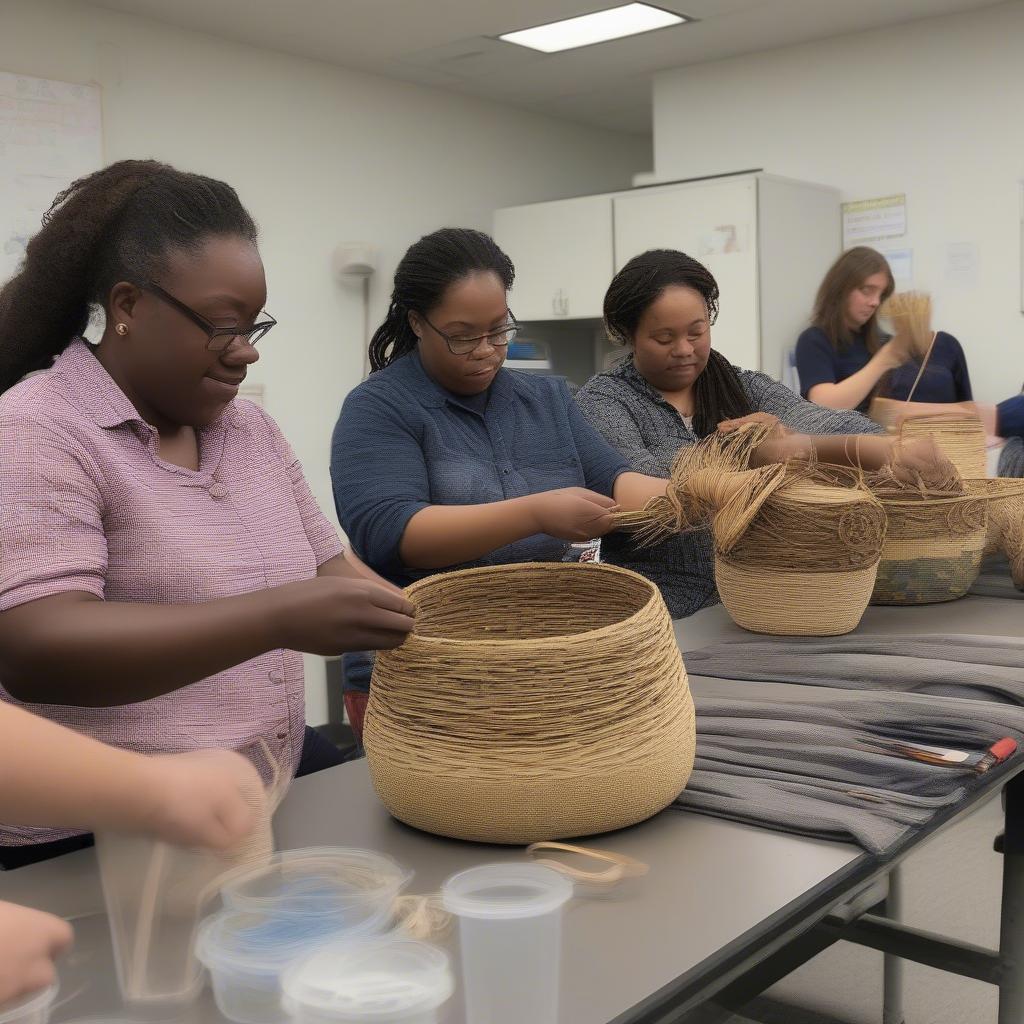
(444, 459)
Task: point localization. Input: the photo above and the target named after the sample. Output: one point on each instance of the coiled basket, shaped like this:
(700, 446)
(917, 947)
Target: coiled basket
(532, 702)
(806, 564)
(933, 549)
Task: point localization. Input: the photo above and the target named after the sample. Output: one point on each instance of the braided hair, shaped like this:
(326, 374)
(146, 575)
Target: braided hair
(425, 272)
(118, 224)
(717, 393)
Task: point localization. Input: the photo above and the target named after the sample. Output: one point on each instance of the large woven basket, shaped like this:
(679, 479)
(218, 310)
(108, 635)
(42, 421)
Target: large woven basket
(961, 440)
(933, 549)
(532, 702)
(806, 565)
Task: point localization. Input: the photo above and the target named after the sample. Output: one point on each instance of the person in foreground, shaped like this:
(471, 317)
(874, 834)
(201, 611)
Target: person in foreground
(50, 776)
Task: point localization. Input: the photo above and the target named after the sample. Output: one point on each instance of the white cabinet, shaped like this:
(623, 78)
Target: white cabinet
(716, 223)
(768, 241)
(562, 253)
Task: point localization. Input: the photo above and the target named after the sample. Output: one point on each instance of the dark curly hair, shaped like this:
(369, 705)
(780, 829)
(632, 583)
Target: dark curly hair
(432, 264)
(717, 392)
(118, 224)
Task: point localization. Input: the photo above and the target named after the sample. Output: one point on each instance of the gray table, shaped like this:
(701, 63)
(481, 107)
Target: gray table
(721, 898)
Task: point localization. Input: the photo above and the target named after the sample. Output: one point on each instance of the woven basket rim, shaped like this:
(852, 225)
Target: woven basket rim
(745, 567)
(653, 594)
(1009, 485)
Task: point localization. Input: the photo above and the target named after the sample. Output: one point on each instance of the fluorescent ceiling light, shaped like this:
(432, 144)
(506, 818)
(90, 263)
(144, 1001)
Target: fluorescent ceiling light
(599, 27)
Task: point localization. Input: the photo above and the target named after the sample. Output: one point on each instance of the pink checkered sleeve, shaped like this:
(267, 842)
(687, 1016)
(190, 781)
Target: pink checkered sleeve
(51, 515)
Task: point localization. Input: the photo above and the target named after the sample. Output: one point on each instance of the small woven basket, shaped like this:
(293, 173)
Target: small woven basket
(806, 565)
(532, 702)
(961, 440)
(933, 549)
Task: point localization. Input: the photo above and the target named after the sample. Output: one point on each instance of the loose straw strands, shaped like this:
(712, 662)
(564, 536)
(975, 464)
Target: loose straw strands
(911, 316)
(532, 702)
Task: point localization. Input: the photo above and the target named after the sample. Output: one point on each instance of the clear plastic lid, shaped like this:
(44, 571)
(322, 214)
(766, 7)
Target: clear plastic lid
(34, 1007)
(254, 943)
(506, 891)
(328, 880)
(384, 979)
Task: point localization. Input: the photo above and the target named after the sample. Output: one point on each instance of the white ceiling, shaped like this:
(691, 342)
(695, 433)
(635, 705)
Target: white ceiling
(451, 43)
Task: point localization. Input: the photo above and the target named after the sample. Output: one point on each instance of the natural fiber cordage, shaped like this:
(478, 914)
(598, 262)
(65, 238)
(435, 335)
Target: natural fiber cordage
(532, 702)
(795, 552)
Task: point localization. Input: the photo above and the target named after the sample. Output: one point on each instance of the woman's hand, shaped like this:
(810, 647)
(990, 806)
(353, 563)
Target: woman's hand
(573, 513)
(763, 418)
(207, 798)
(332, 614)
(896, 352)
(29, 942)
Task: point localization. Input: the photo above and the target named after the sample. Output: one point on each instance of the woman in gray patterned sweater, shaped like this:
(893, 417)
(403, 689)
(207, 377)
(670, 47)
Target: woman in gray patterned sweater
(673, 389)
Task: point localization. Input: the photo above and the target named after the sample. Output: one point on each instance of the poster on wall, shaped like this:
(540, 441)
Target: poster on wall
(50, 134)
(869, 219)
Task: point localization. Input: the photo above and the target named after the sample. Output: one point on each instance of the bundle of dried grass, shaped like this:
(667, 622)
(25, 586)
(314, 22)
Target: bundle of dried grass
(796, 549)
(910, 314)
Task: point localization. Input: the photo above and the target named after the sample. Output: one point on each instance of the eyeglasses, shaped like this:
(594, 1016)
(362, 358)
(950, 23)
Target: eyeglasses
(219, 336)
(460, 345)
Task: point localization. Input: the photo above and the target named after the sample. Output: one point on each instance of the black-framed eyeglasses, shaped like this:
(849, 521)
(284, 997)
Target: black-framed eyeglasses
(219, 336)
(460, 345)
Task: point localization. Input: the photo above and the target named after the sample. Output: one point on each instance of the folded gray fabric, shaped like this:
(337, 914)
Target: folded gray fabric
(958, 665)
(808, 768)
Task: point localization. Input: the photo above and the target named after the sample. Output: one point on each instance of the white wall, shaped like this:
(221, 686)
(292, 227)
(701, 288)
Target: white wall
(931, 108)
(320, 155)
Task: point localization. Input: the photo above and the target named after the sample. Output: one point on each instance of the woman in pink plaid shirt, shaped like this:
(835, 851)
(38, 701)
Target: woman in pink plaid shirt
(162, 560)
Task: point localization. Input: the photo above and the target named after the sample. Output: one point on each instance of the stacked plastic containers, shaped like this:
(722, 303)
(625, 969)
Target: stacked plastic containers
(276, 914)
(390, 980)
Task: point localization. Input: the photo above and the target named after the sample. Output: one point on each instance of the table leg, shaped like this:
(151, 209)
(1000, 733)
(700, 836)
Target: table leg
(892, 978)
(1011, 931)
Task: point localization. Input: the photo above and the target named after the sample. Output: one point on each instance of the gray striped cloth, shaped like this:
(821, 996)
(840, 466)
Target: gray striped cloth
(801, 766)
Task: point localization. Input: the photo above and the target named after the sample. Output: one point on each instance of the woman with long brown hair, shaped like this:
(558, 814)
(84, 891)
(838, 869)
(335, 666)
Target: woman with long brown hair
(844, 356)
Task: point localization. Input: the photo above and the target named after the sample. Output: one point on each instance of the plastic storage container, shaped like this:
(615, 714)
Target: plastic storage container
(156, 896)
(510, 937)
(390, 980)
(31, 1009)
(356, 887)
(246, 954)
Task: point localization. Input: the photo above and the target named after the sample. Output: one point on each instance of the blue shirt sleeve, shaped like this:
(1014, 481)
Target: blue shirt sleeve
(602, 464)
(379, 477)
(815, 360)
(1010, 417)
